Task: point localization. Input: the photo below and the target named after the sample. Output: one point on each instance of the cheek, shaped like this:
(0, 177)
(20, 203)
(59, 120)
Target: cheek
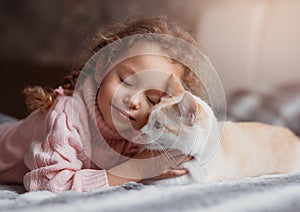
(104, 100)
(107, 91)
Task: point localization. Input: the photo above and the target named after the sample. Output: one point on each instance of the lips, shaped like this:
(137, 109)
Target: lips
(124, 113)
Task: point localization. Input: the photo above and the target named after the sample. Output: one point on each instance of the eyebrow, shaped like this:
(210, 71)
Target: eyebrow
(129, 69)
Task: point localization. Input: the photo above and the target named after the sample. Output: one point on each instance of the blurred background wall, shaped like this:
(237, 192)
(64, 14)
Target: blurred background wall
(253, 44)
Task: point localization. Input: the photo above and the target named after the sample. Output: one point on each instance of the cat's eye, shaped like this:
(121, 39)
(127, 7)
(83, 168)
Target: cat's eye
(158, 125)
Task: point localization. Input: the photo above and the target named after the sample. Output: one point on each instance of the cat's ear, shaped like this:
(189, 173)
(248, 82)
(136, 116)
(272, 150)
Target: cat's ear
(189, 110)
(174, 86)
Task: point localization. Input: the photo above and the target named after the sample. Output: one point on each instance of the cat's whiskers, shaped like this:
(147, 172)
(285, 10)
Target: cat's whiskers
(168, 156)
(152, 156)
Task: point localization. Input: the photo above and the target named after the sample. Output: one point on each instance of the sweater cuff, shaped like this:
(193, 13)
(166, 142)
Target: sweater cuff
(89, 179)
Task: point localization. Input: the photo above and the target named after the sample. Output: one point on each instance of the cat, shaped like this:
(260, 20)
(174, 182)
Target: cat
(246, 149)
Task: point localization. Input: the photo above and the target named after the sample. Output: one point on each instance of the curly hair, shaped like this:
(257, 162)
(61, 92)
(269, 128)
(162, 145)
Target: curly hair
(39, 97)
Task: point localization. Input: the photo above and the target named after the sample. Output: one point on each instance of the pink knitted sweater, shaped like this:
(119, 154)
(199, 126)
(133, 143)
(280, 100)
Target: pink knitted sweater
(57, 152)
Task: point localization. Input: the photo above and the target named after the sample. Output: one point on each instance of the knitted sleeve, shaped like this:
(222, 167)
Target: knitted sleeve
(54, 161)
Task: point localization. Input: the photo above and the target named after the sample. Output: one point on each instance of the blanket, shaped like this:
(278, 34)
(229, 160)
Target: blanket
(264, 193)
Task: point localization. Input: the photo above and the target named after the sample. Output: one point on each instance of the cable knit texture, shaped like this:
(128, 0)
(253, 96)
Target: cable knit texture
(63, 150)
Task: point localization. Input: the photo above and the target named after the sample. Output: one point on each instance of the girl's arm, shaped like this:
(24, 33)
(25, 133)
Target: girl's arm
(55, 166)
(156, 168)
(55, 156)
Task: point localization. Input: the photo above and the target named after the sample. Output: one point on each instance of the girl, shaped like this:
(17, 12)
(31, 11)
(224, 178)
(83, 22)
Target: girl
(55, 149)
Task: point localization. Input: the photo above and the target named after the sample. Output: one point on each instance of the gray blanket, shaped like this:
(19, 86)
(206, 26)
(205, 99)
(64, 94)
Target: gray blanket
(265, 193)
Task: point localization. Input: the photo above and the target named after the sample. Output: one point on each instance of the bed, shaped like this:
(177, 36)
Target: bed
(280, 192)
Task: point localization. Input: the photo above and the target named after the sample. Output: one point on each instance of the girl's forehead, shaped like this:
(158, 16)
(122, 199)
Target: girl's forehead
(149, 54)
(150, 79)
(151, 62)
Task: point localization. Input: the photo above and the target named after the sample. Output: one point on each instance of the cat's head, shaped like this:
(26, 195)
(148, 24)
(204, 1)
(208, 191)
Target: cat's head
(180, 121)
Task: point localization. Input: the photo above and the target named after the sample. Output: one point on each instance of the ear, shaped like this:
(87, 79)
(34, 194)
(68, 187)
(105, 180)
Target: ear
(174, 86)
(189, 109)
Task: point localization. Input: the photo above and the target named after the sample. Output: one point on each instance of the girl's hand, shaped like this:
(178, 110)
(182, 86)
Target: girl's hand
(149, 165)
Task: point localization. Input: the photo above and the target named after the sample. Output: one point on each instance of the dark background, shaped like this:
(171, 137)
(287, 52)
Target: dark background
(41, 40)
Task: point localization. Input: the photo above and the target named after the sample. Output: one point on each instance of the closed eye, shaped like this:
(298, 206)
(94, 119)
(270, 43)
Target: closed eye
(172, 130)
(153, 96)
(125, 82)
(151, 101)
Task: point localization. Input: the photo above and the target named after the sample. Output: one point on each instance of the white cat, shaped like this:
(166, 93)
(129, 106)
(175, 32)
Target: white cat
(185, 122)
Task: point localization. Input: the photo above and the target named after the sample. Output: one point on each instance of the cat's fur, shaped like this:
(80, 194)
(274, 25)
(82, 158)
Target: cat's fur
(187, 123)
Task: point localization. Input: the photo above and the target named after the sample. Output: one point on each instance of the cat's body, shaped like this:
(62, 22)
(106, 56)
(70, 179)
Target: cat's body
(246, 148)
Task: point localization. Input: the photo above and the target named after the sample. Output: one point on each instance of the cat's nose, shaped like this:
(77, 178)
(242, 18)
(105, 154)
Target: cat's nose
(158, 125)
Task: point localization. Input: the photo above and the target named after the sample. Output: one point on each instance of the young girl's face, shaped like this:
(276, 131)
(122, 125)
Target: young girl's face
(130, 90)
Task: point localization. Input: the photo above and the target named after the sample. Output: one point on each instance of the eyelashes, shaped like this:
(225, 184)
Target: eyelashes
(152, 100)
(125, 82)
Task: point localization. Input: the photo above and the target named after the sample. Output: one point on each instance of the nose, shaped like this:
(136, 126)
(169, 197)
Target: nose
(132, 102)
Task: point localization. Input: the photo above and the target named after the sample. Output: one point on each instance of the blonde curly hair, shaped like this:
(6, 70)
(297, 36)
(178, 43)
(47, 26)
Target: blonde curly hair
(38, 97)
